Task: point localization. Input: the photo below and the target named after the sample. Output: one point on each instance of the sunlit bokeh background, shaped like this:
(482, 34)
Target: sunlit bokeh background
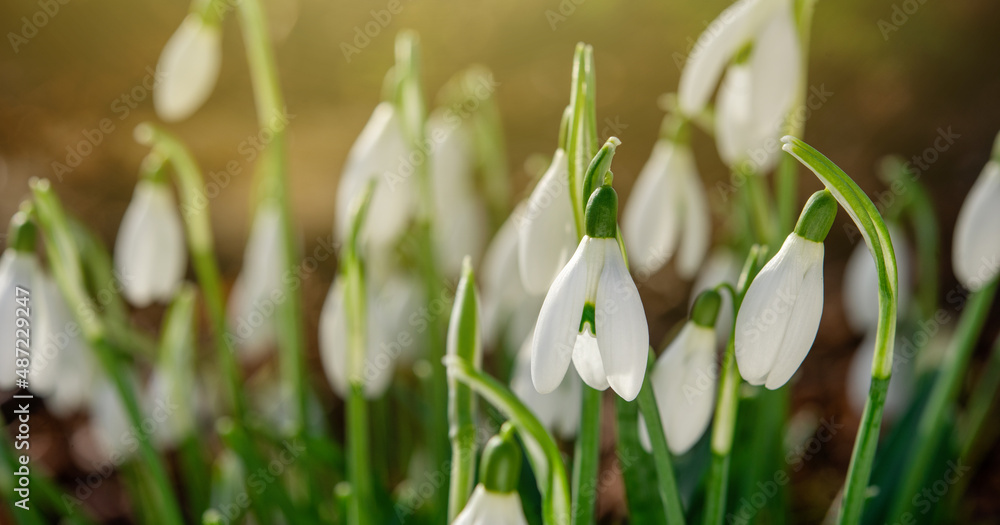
(897, 75)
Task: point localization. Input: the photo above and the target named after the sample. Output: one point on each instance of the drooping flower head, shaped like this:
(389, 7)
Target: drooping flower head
(685, 378)
(780, 313)
(592, 314)
(189, 64)
(150, 251)
(18, 270)
(251, 306)
(667, 213)
(757, 40)
(975, 253)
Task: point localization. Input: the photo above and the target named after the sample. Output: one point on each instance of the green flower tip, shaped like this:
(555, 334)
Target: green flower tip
(817, 216)
(599, 171)
(706, 308)
(501, 463)
(23, 231)
(602, 213)
(211, 517)
(564, 128)
(144, 133)
(39, 185)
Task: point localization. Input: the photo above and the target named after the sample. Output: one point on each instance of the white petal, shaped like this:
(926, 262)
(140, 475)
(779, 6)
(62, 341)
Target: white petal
(790, 286)
(861, 283)
(62, 368)
(587, 360)
(733, 28)
(150, 252)
(697, 234)
(546, 233)
(650, 221)
(559, 411)
(491, 508)
(188, 69)
(380, 152)
(17, 269)
(559, 323)
(460, 229)
(734, 126)
(251, 307)
(333, 339)
(501, 282)
(110, 422)
(622, 333)
(684, 380)
(976, 249)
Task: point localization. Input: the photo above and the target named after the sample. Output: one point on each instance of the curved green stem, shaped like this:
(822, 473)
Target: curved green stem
(195, 212)
(463, 341)
(876, 235)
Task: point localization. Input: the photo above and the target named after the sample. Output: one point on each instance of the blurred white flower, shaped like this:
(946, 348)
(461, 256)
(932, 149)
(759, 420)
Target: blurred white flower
(558, 410)
(859, 379)
(780, 313)
(546, 234)
(17, 270)
(188, 68)
(667, 213)
(486, 507)
(150, 251)
(609, 347)
(251, 307)
(722, 266)
(460, 219)
(381, 152)
(509, 312)
(861, 283)
(975, 251)
(684, 381)
(757, 93)
(109, 423)
(62, 367)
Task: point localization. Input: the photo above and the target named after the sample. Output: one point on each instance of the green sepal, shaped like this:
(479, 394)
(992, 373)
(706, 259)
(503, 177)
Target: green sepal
(23, 231)
(817, 216)
(599, 167)
(602, 213)
(706, 308)
(501, 463)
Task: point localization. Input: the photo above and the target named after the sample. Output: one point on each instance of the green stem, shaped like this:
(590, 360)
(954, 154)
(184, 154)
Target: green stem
(980, 402)
(197, 222)
(930, 429)
(362, 503)
(64, 259)
(271, 116)
(587, 457)
(661, 454)
(463, 341)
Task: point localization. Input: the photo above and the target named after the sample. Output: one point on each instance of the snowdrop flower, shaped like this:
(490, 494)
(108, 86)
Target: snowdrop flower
(546, 234)
(758, 90)
(460, 217)
(109, 423)
(384, 324)
(150, 252)
(722, 266)
(18, 267)
(592, 314)
(861, 284)
(509, 311)
(381, 152)
(668, 212)
(188, 67)
(251, 307)
(558, 410)
(62, 368)
(495, 500)
(780, 313)
(859, 378)
(975, 253)
(684, 379)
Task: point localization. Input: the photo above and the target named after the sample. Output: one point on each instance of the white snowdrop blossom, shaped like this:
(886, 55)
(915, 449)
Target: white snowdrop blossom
(975, 251)
(62, 368)
(150, 251)
(684, 381)
(558, 410)
(780, 313)
(486, 507)
(251, 304)
(592, 314)
(188, 68)
(17, 270)
(668, 213)
(109, 423)
(758, 91)
(382, 153)
(460, 219)
(546, 234)
(861, 283)
(503, 294)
